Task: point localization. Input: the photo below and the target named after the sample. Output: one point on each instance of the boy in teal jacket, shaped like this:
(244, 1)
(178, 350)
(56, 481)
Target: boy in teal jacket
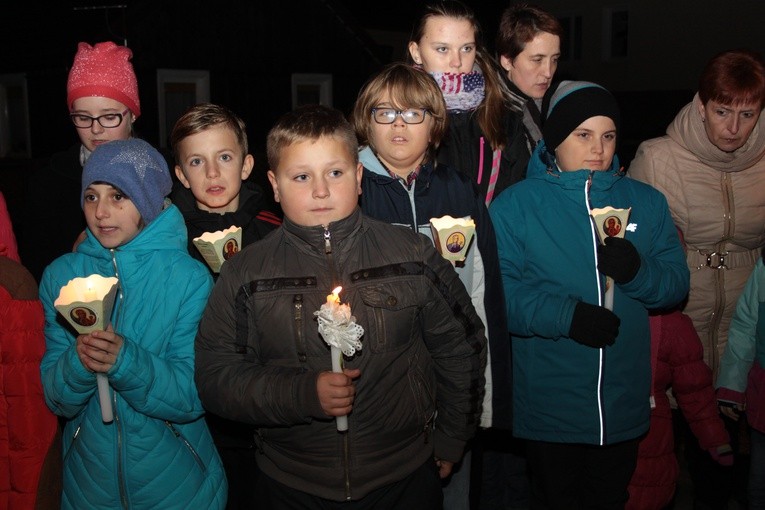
(581, 372)
(157, 452)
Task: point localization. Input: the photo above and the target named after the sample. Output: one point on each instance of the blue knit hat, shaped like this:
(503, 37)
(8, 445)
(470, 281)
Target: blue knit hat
(572, 103)
(134, 167)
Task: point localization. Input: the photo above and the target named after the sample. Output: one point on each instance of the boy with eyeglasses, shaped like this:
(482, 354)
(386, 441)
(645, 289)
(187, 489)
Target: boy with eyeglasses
(103, 103)
(260, 357)
(400, 117)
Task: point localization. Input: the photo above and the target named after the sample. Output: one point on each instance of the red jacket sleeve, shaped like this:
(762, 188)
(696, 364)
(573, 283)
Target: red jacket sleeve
(692, 380)
(27, 427)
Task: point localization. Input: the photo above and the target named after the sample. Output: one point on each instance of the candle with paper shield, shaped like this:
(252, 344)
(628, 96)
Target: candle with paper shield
(217, 247)
(86, 303)
(610, 222)
(452, 236)
(339, 330)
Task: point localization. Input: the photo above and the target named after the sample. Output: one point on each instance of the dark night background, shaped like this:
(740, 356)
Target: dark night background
(250, 49)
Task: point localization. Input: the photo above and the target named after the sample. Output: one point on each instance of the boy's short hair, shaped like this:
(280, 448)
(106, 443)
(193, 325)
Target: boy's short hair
(204, 116)
(309, 122)
(407, 87)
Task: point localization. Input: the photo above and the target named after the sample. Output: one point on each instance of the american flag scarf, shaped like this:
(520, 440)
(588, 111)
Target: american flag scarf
(462, 92)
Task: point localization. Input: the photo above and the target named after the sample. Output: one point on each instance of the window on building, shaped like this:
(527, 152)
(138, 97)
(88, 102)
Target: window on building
(311, 89)
(177, 91)
(571, 42)
(14, 116)
(615, 33)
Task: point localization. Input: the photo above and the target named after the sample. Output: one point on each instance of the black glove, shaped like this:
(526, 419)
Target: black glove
(618, 259)
(594, 326)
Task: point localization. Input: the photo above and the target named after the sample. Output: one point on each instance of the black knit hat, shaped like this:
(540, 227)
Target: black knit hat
(572, 103)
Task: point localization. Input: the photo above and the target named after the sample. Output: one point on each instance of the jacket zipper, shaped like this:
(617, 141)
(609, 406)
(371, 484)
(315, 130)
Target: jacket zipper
(71, 444)
(717, 311)
(601, 290)
(297, 305)
(188, 445)
(333, 275)
(118, 426)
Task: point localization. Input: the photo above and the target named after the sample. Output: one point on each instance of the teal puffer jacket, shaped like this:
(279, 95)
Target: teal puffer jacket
(564, 391)
(157, 453)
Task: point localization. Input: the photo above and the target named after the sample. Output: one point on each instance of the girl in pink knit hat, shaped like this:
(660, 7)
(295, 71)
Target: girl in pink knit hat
(102, 94)
(102, 102)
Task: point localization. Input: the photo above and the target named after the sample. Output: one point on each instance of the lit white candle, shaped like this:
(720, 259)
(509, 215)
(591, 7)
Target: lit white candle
(339, 330)
(333, 300)
(94, 296)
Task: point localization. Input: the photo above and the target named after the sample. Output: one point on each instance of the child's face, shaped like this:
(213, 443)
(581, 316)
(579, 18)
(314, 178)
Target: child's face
(400, 146)
(110, 215)
(590, 146)
(317, 181)
(96, 134)
(447, 46)
(212, 167)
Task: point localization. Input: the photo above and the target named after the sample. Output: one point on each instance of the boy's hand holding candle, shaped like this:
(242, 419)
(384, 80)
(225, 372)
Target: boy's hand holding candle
(339, 330)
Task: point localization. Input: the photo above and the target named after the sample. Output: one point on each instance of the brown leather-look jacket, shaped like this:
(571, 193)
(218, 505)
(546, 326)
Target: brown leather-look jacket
(259, 353)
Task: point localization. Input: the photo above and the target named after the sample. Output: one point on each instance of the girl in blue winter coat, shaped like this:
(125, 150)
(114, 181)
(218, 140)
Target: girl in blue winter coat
(157, 452)
(582, 372)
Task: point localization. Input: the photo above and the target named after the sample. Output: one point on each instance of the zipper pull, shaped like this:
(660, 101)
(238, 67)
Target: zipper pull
(327, 239)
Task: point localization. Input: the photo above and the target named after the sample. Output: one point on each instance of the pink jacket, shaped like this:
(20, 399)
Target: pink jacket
(7, 238)
(677, 362)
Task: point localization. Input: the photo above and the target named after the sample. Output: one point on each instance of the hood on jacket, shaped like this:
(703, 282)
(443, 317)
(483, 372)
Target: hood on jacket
(687, 129)
(166, 232)
(543, 166)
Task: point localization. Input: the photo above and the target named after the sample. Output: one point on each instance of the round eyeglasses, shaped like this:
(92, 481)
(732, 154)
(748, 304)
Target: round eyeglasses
(388, 115)
(108, 120)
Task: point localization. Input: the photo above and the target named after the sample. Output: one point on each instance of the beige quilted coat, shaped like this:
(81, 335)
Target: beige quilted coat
(717, 200)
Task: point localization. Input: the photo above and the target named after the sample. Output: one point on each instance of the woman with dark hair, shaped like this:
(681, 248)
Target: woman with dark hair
(484, 138)
(710, 166)
(528, 45)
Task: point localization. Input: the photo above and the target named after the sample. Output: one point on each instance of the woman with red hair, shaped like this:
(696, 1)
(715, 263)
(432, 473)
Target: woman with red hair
(711, 167)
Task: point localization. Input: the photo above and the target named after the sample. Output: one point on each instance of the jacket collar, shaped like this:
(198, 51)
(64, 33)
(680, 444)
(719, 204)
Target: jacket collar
(543, 166)
(314, 238)
(688, 131)
(368, 158)
(166, 232)
(250, 198)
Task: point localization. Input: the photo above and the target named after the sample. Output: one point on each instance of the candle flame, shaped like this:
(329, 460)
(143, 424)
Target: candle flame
(336, 290)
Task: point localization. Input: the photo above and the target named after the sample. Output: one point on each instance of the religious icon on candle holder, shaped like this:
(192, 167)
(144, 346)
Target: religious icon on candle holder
(452, 236)
(217, 247)
(608, 221)
(612, 226)
(83, 316)
(230, 249)
(86, 303)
